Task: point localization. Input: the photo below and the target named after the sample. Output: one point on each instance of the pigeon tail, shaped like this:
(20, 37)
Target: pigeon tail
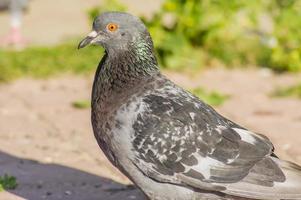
(289, 189)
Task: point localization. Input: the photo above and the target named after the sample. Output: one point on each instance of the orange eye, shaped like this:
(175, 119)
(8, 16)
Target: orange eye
(112, 27)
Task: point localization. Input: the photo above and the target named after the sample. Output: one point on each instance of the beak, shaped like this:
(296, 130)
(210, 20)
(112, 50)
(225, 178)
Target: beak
(88, 40)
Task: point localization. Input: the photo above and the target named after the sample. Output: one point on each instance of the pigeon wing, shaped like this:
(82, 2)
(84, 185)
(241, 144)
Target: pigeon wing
(181, 140)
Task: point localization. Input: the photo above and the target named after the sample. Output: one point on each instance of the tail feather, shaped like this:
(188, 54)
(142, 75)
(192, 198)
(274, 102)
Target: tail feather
(288, 189)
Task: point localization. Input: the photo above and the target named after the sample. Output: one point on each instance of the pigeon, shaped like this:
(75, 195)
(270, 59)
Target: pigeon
(168, 142)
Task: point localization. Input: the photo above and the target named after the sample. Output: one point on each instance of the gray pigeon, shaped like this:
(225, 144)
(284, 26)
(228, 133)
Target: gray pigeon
(171, 144)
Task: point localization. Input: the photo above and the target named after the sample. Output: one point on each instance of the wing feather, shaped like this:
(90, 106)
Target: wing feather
(181, 140)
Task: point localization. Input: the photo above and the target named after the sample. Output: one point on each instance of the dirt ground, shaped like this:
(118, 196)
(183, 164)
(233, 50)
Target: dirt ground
(49, 145)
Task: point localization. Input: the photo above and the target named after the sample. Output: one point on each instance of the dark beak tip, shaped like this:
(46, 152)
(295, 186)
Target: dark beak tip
(84, 42)
(79, 46)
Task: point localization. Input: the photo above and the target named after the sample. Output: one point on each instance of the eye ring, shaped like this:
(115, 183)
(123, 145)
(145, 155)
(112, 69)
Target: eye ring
(112, 27)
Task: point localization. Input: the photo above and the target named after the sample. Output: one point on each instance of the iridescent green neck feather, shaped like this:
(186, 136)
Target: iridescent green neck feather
(137, 58)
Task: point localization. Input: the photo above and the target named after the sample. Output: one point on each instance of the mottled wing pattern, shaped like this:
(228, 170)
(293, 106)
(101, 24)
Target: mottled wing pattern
(181, 140)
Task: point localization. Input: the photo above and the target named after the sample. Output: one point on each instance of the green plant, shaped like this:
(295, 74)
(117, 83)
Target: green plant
(294, 91)
(8, 182)
(108, 5)
(285, 53)
(232, 32)
(81, 104)
(212, 98)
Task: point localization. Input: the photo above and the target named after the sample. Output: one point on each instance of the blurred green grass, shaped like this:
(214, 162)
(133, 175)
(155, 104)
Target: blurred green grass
(213, 98)
(81, 104)
(290, 91)
(41, 62)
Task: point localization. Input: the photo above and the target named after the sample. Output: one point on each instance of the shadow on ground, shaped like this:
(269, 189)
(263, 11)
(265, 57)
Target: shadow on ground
(53, 181)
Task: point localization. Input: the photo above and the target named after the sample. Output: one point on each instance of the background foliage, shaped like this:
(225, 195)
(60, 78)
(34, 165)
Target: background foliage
(196, 33)
(294, 91)
(188, 34)
(41, 62)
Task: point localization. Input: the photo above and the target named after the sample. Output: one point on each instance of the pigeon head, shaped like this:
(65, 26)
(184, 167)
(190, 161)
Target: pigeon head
(117, 31)
(128, 45)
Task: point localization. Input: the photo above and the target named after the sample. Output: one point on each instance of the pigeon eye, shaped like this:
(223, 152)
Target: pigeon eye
(112, 27)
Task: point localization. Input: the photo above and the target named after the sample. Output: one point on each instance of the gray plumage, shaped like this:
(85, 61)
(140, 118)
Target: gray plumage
(167, 141)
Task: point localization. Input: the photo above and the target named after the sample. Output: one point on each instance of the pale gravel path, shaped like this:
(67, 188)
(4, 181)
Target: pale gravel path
(49, 146)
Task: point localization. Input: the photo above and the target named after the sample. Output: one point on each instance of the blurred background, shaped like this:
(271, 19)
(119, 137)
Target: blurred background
(242, 57)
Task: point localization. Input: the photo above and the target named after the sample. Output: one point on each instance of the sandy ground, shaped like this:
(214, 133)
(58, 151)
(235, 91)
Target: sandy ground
(49, 145)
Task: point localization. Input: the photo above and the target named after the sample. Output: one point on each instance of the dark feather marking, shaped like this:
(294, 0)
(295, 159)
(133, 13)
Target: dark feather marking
(226, 150)
(190, 161)
(181, 137)
(194, 174)
(231, 135)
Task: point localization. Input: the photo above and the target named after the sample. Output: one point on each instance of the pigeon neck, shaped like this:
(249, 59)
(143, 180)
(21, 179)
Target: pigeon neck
(137, 59)
(135, 62)
(120, 73)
